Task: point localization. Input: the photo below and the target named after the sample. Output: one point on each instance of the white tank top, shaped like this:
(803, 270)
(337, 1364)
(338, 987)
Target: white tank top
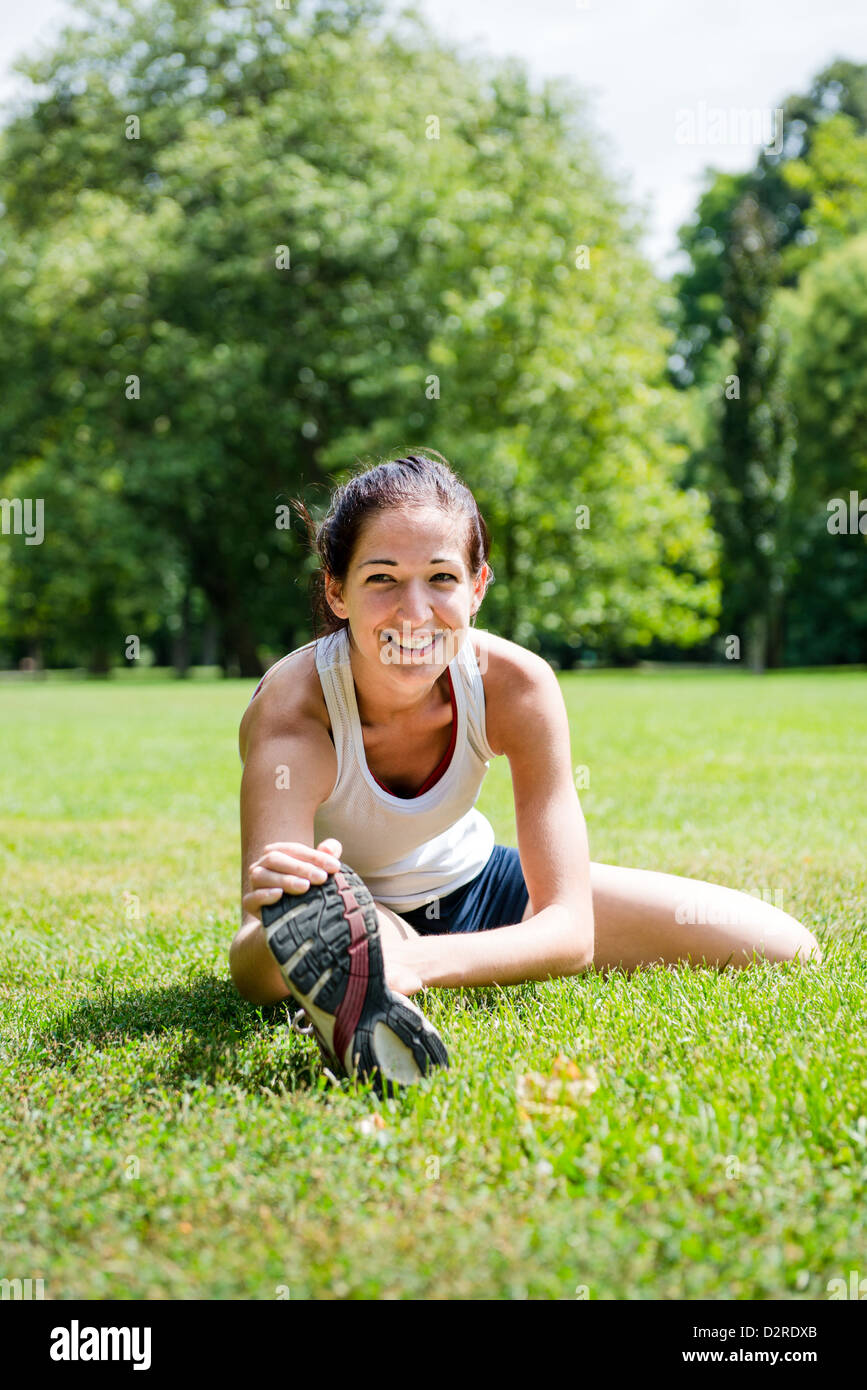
(408, 850)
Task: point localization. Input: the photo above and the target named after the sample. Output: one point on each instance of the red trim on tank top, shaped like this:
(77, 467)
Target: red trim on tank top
(441, 768)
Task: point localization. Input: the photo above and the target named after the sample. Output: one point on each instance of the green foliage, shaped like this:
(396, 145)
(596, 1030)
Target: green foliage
(835, 177)
(752, 238)
(786, 185)
(753, 454)
(826, 323)
(409, 258)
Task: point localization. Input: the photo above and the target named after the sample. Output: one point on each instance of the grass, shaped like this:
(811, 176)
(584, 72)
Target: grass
(161, 1138)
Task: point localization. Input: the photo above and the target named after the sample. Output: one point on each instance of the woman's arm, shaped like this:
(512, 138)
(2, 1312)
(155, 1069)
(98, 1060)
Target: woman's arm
(558, 939)
(277, 824)
(289, 770)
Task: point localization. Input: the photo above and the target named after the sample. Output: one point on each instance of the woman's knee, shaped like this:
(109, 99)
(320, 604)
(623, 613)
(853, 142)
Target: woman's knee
(756, 929)
(800, 944)
(778, 937)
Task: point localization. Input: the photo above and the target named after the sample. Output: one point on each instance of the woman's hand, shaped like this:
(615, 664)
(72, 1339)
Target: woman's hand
(289, 867)
(398, 959)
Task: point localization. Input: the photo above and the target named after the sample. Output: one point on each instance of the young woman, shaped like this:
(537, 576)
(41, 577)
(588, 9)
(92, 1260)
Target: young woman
(372, 743)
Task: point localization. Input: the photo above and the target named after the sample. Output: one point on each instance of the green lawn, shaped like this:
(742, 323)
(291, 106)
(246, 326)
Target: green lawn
(161, 1138)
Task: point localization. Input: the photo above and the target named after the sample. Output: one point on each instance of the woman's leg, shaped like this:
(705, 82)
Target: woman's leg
(641, 917)
(645, 918)
(392, 926)
(256, 973)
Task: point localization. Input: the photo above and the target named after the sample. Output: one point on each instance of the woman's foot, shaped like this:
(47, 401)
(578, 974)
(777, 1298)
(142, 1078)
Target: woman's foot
(327, 945)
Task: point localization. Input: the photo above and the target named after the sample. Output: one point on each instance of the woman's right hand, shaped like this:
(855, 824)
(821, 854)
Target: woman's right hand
(289, 867)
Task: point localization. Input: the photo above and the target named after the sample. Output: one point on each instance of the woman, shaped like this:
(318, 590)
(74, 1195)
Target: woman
(373, 741)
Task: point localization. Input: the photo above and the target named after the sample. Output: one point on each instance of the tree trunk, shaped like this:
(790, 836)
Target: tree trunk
(99, 663)
(757, 642)
(240, 644)
(776, 637)
(181, 643)
(511, 573)
(210, 641)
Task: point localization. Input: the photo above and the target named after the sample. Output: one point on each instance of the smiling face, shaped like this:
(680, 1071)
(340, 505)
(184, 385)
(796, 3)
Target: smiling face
(408, 594)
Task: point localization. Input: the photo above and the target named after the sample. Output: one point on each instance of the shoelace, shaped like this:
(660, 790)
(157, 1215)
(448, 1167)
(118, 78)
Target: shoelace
(310, 1032)
(294, 1024)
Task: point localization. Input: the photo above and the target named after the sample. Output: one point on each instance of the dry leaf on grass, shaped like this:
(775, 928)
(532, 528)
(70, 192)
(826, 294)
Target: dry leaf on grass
(369, 1124)
(565, 1087)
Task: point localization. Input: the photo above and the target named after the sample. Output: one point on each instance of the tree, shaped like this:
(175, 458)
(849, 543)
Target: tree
(779, 187)
(753, 455)
(826, 322)
(754, 233)
(834, 176)
(323, 239)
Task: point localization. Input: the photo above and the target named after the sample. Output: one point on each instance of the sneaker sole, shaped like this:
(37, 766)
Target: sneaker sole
(327, 944)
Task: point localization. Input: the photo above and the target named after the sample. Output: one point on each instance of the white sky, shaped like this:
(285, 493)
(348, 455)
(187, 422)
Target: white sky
(641, 62)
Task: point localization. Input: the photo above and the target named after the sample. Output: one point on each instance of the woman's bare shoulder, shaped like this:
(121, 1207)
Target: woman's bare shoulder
(502, 664)
(290, 699)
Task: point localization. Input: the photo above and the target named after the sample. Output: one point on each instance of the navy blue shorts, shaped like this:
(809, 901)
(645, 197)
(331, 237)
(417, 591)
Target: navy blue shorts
(496, 897)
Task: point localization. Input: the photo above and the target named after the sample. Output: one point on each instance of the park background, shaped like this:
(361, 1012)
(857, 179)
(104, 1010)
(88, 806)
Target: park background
(677, 1134)
(461, 269)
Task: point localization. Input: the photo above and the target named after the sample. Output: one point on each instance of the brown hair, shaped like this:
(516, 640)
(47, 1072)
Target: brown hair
(417, 480)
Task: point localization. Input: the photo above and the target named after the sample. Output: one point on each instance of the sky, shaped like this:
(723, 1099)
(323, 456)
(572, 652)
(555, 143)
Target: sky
(673, 85)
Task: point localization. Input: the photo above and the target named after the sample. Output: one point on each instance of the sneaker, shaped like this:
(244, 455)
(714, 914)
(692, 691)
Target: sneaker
(327, 944)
